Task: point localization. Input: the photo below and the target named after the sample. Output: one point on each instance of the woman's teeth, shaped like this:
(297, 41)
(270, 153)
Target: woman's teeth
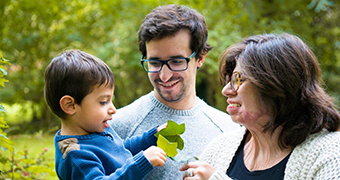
(235, 105)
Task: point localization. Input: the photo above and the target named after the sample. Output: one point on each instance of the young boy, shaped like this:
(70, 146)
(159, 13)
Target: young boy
(79, 89)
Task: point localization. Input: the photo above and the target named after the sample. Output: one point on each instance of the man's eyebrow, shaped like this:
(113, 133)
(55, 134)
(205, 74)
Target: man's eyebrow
(171, 57)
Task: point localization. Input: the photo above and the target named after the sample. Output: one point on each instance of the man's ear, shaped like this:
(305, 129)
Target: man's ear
(200, 61)
(67, 104)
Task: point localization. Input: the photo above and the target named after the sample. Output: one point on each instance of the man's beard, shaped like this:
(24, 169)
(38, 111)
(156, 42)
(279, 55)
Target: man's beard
(166, 96)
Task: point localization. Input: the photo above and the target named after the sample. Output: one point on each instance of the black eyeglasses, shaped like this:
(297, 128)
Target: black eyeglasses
(175, 64)
(235, 81)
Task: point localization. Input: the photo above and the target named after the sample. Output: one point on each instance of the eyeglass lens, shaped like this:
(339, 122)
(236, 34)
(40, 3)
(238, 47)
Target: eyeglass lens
(235, 81)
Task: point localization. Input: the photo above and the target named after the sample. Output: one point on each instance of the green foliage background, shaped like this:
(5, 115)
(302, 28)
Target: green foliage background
(33, 32)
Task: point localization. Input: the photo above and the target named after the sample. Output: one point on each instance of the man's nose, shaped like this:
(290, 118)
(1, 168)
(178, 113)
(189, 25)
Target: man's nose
(165, 74)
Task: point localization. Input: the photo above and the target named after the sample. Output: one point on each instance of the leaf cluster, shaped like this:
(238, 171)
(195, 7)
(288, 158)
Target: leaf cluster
(20, 165)
(3, 73)
(169, 138)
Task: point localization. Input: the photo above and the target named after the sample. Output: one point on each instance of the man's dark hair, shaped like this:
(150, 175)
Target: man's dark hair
(167, 20)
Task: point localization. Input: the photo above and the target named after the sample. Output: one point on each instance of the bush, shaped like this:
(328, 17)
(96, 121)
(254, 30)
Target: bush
(18, 164)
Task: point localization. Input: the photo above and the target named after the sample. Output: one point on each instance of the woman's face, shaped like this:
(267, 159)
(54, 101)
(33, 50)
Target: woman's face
(245, 106)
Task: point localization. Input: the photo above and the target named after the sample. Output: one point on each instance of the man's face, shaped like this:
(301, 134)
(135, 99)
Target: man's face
(173, 86)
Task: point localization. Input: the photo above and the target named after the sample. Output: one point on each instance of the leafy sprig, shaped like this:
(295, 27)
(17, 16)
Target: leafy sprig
(169, 138)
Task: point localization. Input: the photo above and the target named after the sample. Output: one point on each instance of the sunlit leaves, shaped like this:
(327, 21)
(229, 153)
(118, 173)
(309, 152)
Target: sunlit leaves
(3, 72)
(169, 138)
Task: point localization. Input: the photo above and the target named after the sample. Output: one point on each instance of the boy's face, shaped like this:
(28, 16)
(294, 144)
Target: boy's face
(94, 112)
(170, 86)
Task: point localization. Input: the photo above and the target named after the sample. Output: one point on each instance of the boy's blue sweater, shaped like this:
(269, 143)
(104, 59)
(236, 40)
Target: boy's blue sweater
(102, 156)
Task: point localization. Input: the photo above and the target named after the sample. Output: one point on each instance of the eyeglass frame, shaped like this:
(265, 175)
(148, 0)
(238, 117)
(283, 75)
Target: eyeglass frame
(238, 81)
(142, 60)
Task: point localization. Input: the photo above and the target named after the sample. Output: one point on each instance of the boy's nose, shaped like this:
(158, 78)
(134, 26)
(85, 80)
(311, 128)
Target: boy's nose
(112, 110)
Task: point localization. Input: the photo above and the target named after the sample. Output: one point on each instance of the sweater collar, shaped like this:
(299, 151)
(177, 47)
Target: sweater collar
(167, 109)
(59, 137)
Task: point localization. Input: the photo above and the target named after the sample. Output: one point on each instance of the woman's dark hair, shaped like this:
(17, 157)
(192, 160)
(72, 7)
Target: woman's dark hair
(167, 20)
(288, 76)
(74, 73)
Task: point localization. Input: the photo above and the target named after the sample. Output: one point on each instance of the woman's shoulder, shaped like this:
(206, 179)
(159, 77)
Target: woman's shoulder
(323, 140)
(222, 149)
(230, 139)
(321, 145)
(318, 156)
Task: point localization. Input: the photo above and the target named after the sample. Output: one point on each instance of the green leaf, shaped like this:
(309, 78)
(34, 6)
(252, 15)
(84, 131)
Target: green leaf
(170, 148)
(2, 82)
(172, 129)
(176, 138)
(172, 135)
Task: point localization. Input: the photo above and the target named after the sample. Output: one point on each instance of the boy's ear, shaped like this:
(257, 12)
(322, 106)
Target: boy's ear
(67, 104)
(200, 61)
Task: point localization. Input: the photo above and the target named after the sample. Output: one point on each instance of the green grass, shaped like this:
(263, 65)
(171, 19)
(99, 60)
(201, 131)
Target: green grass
(35, 144)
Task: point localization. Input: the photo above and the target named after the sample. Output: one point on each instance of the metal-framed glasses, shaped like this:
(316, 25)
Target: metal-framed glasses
(235, 81)
(174, 64)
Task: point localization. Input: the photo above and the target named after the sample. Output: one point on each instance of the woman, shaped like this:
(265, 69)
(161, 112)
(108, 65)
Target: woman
(273, 85)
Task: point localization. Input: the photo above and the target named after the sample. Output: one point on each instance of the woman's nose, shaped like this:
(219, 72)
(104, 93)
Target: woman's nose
(227, 91)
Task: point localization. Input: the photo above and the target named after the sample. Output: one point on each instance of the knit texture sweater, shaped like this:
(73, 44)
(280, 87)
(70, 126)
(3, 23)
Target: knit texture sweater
(203, 123)
(102, 156)
(318, 157)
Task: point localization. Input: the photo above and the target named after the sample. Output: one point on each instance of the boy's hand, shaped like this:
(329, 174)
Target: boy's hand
(155, 155)
(162, 127)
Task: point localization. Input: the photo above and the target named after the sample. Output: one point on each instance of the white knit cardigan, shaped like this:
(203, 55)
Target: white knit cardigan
(318, 157)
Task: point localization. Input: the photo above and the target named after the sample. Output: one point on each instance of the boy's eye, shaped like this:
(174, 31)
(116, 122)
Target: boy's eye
(103, 102)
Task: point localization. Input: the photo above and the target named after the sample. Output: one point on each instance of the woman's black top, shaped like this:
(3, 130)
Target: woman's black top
(238, 171)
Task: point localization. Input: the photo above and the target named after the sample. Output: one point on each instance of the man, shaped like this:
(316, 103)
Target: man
(172, 40)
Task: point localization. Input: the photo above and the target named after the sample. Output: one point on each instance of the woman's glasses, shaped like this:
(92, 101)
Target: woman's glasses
(235, 81)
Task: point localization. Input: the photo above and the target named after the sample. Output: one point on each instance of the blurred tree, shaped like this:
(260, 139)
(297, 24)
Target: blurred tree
(34, 32)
